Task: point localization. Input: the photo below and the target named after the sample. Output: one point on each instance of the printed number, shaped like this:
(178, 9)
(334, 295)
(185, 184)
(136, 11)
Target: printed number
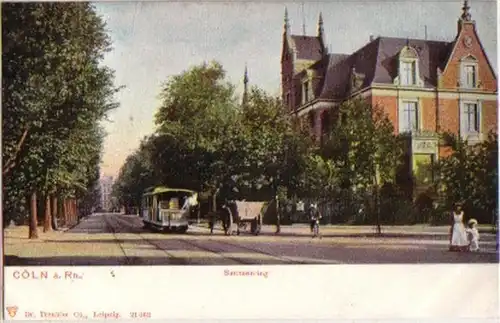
(135, 315)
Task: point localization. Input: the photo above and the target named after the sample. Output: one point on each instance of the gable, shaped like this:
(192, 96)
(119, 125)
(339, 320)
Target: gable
(468, 47)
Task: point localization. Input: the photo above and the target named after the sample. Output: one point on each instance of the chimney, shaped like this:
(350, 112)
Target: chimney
(372, 38)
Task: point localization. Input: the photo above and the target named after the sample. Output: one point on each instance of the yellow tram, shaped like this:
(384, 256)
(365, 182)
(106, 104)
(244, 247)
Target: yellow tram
(167, 208)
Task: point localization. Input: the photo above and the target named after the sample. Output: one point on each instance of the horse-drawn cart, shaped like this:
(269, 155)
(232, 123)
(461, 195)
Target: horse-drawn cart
(242, 215)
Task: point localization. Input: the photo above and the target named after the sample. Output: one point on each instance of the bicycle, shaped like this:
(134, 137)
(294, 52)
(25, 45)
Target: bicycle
(315, 229)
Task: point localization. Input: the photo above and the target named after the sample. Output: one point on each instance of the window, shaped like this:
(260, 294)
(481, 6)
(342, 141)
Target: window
(312, 120)
(408, 117)
(408, 69)
(470, 118)
(306, 92)
(470, 76)
(408, 73)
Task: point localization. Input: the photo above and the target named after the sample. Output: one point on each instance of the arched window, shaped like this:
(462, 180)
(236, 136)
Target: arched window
(469, 72)
(408, 71)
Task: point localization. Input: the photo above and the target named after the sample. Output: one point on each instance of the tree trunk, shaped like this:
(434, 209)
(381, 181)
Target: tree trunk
(55, 211)
(47, 223)
(72, 208)
(77, 213)
(40, 204)
(60, 210)
(65, 212)
(214, 202)
(33, 230)
(278, 215)
(377, 211)
(75, 210)
(71, 211)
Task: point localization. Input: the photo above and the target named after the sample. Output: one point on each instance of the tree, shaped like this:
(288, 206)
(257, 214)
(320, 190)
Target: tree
(470, 175)
(198, 109)
(135, 176)
(363, 148)
(55, 90)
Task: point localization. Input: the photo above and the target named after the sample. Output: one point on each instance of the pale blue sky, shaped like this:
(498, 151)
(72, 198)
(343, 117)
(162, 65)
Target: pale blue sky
(155, 40)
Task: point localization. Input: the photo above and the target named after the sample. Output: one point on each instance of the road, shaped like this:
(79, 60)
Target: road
(114, 239)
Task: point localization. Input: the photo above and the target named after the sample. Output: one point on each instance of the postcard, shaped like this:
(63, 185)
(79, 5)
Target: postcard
(250, 160)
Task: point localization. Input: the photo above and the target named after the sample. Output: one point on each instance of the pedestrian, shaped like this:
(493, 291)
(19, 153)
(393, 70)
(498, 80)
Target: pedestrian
(211, 222)
(473, 235)
(314, 217)
(458, 241)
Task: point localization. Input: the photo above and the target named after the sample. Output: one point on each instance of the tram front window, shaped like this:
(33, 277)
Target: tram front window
(173, 200)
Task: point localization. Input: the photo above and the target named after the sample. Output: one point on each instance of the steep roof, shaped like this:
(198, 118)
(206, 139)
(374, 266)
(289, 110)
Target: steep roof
(431, 55)
(378, 62)
(307, 47)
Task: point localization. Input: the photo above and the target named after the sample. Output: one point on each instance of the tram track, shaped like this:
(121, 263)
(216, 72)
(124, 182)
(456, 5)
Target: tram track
(131, 260)
(258, 251)
(129, 228)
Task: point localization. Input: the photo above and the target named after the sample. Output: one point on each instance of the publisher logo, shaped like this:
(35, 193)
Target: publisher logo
(12, 310)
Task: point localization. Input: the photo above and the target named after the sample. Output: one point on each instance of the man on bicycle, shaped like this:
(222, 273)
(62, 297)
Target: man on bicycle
(314, 217)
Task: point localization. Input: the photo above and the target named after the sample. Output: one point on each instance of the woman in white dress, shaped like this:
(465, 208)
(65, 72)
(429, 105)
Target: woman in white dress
(459, 241)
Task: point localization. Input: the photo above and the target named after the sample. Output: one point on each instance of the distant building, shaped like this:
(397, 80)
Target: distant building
(424, 86)
(106, 184)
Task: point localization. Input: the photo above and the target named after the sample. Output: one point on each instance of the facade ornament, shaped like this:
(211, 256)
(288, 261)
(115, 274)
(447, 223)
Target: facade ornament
(466, 16)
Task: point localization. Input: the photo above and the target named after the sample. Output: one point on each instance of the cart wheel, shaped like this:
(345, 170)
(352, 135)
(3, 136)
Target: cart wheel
(182, 229)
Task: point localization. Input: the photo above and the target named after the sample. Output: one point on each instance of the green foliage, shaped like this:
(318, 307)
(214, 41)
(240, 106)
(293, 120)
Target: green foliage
(363, 145)
(55, 93)
(470, 175)
(207, 142)
(135, 176)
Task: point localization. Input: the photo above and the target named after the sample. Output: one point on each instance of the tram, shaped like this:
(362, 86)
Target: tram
(167, 208)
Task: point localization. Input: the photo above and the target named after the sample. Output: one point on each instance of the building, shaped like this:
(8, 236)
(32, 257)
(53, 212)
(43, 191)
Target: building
(106, 185)
(425, 87)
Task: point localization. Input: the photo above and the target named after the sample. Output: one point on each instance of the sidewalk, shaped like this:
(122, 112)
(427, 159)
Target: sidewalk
(414, 231)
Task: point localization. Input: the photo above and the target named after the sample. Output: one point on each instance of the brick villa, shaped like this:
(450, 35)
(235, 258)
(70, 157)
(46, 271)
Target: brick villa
(424, 86)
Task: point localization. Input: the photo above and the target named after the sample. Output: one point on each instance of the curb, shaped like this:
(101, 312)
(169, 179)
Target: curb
(64, 229)
(364, 234)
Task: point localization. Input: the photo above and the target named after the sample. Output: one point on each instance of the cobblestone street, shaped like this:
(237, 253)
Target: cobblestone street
(113, 239)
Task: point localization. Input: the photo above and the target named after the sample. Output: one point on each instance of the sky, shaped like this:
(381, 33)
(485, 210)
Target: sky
(153, 41)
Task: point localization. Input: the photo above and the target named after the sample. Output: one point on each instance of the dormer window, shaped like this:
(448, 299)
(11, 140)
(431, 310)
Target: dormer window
(357, 80)
(409, 74)
(469, 66)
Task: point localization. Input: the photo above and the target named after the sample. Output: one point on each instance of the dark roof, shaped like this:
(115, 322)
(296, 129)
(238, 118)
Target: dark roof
(337, 76)
(431, 54)
(378, 62)
(308, 47)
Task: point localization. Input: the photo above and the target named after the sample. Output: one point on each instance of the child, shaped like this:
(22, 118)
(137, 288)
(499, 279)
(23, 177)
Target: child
(473, 235)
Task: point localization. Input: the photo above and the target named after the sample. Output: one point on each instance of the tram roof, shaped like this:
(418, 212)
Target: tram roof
(163, 189)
